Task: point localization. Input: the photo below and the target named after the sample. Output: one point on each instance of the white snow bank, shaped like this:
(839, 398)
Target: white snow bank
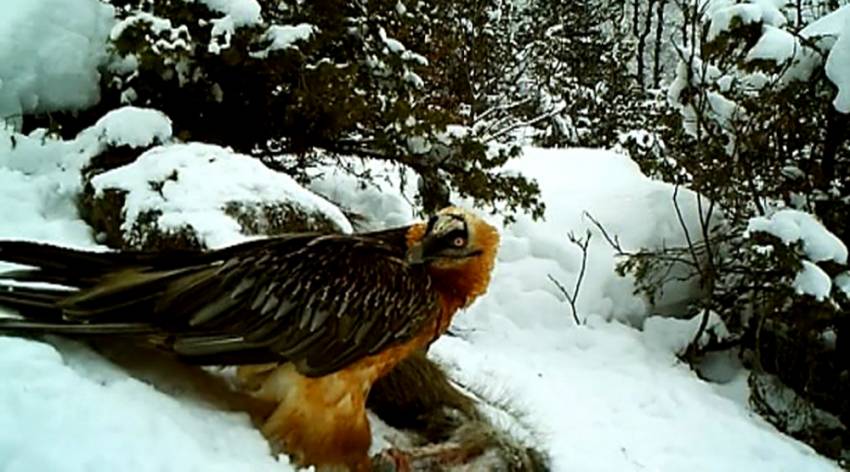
(675, 335)
(792, 226)
(39, 185)
(39, 208)
(638, 211)
(75, 412)
(49, 54)
(607, 400)
(198, 180)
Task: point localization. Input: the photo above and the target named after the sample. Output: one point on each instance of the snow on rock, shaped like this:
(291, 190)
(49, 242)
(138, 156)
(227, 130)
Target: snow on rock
(132, 126)
(49, 54)
(194, 184)
(791, 226)
(812, 280)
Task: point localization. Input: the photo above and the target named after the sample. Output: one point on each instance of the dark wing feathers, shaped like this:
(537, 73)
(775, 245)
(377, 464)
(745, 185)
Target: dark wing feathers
(321, 301)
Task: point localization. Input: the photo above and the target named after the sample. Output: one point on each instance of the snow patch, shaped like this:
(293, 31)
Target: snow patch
(675, 335)
(812, 280)
(722, 13)
(132, 126)
(240, 12)
(774, 44)
(791, 226)
(285, 36)
(842, 281)
(88, 411)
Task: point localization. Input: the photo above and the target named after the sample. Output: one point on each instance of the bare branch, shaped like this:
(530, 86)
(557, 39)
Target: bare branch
(582, 243)
(530, 122)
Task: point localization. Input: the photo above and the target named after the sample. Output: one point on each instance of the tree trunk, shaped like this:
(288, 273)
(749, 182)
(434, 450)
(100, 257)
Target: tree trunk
(659, 37)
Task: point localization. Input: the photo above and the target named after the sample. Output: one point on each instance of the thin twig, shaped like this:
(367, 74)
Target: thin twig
(571, 299)
(614, 241)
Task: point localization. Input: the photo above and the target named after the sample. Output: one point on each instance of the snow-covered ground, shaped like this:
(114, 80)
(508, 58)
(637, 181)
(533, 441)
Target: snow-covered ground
(608, 395)
(604, 396)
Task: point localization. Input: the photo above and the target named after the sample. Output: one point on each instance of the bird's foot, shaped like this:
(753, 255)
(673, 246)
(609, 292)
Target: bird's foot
(392, 460)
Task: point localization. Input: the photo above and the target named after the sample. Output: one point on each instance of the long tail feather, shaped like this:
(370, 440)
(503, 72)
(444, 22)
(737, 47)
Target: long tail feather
(50, 257)
(16, 326)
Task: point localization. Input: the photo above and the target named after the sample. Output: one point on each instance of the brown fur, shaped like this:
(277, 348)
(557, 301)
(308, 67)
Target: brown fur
(417, 395)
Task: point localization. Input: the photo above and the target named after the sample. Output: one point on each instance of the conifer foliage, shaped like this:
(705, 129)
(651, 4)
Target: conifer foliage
(371, 79)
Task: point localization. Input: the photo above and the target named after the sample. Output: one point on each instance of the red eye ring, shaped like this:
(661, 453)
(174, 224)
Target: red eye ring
(458, 242)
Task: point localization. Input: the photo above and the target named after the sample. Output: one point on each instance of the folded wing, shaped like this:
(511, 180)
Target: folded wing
(320, 301)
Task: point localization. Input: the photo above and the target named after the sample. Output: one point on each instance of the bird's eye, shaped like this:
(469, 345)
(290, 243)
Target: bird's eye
(458, 242)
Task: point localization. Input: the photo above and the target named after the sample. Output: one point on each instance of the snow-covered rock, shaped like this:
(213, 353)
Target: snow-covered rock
(200, 195)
